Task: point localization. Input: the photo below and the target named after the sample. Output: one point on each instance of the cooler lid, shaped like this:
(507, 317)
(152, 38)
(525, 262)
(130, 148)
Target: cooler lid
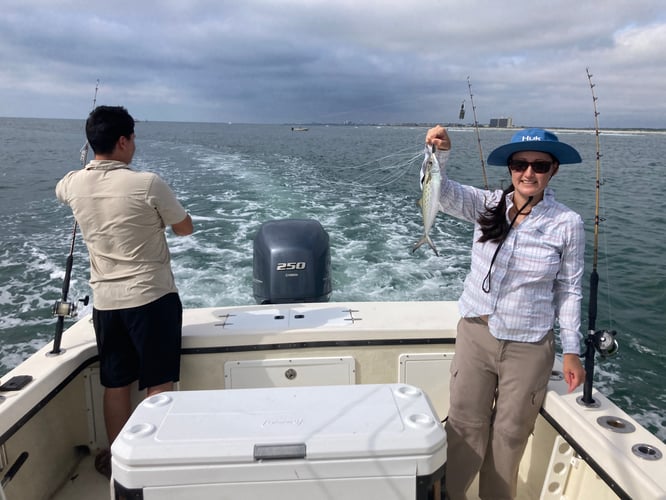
(249, 425)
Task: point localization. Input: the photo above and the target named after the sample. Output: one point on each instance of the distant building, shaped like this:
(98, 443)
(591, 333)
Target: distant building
(501, 122)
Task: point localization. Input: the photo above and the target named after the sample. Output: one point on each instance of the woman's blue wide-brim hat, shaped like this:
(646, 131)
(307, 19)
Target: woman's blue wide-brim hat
(534, 139)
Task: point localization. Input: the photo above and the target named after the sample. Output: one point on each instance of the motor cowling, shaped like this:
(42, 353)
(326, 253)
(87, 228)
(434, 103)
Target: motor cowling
(291, 262)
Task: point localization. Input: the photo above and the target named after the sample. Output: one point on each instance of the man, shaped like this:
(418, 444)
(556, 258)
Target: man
(137, 313)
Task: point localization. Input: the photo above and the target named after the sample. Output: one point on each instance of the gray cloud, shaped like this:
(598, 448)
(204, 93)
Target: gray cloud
(313, 61)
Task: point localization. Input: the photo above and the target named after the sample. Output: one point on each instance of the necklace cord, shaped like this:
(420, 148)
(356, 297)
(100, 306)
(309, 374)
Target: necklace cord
(485, 286)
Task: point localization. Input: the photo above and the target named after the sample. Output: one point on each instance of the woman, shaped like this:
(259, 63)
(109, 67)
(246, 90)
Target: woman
(526, 273)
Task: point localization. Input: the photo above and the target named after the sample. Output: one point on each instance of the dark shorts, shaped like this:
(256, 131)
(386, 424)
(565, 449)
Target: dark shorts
(140, 343)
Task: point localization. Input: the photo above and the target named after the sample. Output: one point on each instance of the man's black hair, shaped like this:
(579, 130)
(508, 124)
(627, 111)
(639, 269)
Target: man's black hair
(105, 125)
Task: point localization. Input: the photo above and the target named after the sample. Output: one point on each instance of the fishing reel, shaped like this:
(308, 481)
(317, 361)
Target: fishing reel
(604, 342)
(68, 309)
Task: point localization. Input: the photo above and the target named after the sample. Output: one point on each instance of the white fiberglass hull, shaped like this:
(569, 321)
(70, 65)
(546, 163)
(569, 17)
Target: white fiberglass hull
(576, 451)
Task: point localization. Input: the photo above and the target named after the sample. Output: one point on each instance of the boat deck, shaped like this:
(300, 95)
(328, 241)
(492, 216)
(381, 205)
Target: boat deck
(85, 483)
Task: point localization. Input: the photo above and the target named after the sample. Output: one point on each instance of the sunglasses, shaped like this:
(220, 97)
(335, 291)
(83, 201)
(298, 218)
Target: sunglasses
(539, 166)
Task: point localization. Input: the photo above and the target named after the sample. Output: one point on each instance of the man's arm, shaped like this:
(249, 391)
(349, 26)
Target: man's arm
(184, 227)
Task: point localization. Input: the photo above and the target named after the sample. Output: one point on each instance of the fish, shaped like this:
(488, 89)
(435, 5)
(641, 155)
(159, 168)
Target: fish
(431, 181)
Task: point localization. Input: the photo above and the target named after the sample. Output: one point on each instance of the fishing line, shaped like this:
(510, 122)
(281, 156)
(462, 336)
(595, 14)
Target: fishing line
(62, 308)
(384, 175)
(603, 248)
(609, 299)
(378, 172)
(476, 127)
(380, 175)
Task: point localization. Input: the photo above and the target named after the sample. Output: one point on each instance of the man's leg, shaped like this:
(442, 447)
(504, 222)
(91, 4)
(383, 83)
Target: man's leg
(156, 389)
(117, 410)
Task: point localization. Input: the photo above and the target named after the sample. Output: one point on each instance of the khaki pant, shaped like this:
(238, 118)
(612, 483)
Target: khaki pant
(497, 388)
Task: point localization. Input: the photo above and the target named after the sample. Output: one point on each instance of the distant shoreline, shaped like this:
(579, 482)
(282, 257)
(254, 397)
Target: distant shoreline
(602, 131)
(450, 126)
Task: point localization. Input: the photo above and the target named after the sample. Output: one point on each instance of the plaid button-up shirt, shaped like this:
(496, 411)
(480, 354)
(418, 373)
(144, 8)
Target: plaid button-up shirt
(536, 278)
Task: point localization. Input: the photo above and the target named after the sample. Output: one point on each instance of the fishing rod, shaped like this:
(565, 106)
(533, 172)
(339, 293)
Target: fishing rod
(62, 308)
(602, 341)
(476, 127)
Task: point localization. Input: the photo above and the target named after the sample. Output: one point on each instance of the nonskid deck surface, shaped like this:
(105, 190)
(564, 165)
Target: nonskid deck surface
(85, 483)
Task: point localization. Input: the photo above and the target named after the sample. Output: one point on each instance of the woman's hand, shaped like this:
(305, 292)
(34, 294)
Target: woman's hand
(574, 373)
(438, 136)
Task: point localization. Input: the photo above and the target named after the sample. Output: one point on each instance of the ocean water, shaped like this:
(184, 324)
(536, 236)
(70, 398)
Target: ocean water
(361, 183)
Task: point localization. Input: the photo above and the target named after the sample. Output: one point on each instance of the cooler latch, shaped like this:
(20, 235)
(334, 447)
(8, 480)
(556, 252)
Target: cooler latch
(279, 451)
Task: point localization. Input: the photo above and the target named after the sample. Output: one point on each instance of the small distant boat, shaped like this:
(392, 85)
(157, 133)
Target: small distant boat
(299, 129)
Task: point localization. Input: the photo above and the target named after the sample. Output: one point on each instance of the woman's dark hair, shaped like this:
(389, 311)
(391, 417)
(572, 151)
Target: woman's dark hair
(494, 225)
(105, 125)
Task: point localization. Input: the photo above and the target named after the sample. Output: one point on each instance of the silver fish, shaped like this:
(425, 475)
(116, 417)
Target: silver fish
(429, 202)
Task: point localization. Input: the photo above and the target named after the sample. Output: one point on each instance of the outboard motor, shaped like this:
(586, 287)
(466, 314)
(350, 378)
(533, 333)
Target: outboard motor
(292, 262)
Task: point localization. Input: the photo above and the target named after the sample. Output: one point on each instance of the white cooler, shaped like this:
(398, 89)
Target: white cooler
(327, 442)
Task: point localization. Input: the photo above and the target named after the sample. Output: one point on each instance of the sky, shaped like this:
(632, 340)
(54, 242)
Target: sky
(334, 61)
